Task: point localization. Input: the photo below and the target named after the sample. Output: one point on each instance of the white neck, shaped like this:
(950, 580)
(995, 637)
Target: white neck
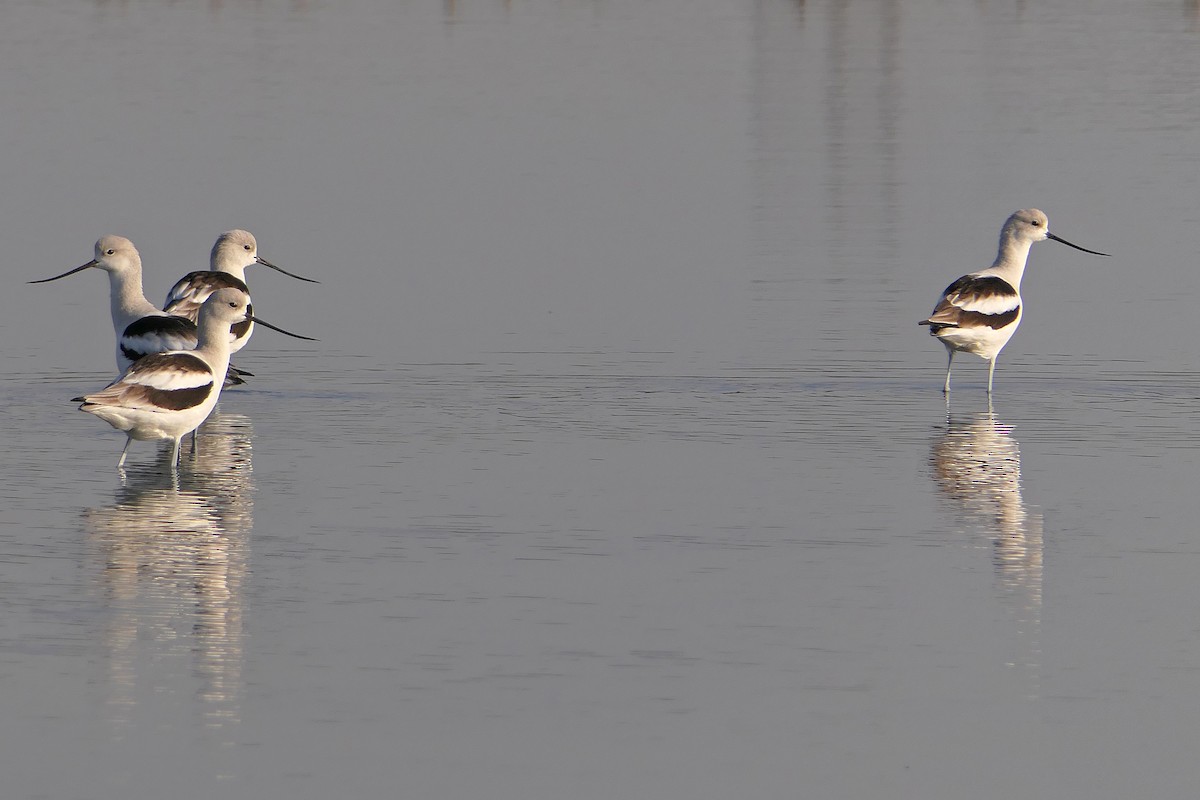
(234, 265)
(1010, 259)
(212, 343)
(126, 299)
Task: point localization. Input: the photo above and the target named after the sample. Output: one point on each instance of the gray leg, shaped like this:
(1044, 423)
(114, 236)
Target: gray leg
(991, 370)
(949, 364)
(124, 451)
(175, 454)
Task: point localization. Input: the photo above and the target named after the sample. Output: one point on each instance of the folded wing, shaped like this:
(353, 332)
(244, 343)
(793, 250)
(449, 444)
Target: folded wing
(160, 382)
(975, 301)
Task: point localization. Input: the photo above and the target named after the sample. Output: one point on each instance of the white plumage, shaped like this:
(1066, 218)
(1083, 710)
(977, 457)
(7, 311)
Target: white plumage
(980, 311)
(167, 395)
(140, 328)
(232, 253)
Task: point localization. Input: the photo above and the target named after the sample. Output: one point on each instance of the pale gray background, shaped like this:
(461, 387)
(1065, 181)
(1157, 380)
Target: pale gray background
(621, 468)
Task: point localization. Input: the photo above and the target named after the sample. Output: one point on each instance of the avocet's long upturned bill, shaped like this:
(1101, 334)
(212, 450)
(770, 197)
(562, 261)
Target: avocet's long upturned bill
(233, 252)
(168, 395)
(980, 312)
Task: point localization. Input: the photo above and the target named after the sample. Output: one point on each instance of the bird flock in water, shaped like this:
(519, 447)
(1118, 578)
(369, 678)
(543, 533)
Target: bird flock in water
(174, 361)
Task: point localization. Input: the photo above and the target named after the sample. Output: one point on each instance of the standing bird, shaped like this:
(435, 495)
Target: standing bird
(233, 252)
(980, 312)
(167, 395)
(141, 328)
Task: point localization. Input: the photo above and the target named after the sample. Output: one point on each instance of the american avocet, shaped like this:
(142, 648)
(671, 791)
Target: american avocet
(233, 252)
(141, 328)
(167, 395)
(979, 312)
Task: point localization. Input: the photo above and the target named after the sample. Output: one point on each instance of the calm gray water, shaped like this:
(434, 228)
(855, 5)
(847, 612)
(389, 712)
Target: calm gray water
(621, 468)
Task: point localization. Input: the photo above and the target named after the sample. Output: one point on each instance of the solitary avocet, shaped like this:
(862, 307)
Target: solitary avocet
(233, 252)
(167, 395)
(980, 312)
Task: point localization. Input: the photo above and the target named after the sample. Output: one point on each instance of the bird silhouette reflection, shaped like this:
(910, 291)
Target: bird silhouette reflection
(976, 462)
(171, 552)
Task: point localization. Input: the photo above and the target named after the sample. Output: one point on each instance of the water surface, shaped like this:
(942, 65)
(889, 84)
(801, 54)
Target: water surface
(621, 467)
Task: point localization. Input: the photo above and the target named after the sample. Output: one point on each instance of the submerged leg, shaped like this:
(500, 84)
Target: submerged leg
(991, 370)
(949, 364)
(175, 453)
(124, 451)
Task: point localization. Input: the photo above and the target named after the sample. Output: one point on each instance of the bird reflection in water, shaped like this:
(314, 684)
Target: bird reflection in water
(172, 552)
(976, 461)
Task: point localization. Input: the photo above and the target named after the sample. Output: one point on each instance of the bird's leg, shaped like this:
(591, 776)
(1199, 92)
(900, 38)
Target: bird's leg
(124, 451)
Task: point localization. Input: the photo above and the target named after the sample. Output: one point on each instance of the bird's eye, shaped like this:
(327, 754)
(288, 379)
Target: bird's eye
(1035, 223)
(246, 246)
(110, 252)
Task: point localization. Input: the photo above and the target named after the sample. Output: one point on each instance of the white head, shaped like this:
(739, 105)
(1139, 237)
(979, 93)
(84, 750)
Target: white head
(1027, 225)
(1030, 225)
(233, 252)
(237, 249)
(225, 307)
(115, 255)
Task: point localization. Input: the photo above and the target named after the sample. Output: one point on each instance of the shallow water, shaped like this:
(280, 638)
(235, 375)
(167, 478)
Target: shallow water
(621, 468)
